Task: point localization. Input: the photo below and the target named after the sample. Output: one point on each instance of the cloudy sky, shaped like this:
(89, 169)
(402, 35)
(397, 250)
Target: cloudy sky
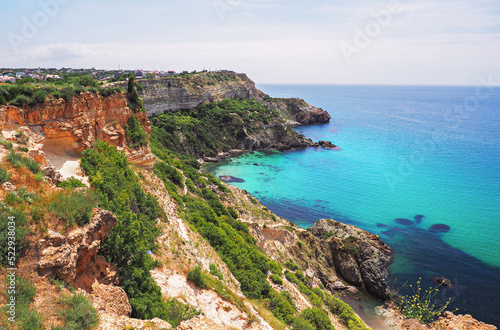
(418, 42)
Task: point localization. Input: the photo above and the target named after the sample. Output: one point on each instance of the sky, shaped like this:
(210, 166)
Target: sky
(411, 42)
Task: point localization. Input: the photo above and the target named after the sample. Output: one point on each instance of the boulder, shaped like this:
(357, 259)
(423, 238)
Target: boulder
(73, 257)
(360, 257)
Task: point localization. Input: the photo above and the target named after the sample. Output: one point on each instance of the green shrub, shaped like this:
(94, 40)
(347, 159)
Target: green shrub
(216, 272)
(26, 317)
(4, 176)
(71, 183)
(118, 190)
(349, 245)
(15, 159)
(75, 207)
(345, 313)
(177, 312)
(78, 313)
(276, 268)
(162, 169)
(196, 276)
(135, 132)
(37, 215)
(290, 265)
(24, 149)
(276, 279)
(282, 306)
(7, 144)
(18, 161)
(316, 317)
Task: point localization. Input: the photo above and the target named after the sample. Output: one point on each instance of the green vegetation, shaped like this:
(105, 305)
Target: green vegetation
(26, 317)
(345, 313)
(18, 161)
(313, 318)
(4, 176)
(119, 191)
(7, 216)
(216, 272)
(421, 305)
(71, 183)
(282, 306)
(196, 276)
(28, 92)
(74, 207)
(349, 245)
(135, 133)
(210, 128)
(290, 265)
(134, 101)
(176, 312)
(276, 279)
(77, 313)
(19, 196)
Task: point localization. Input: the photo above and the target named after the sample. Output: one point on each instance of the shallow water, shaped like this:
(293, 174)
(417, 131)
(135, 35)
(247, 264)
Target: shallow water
(406, 151)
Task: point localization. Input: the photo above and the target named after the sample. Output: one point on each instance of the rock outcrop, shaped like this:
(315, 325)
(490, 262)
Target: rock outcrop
(362, 258)
(69, 127)
(73, 257)
(170, 94)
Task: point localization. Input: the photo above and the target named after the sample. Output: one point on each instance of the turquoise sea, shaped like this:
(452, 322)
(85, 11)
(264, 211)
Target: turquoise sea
(406, 151)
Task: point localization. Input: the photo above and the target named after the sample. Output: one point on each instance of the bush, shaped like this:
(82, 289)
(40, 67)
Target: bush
(26, 317)
(276, 279)
(119, 191)
(18, 161)
(135, 133)
(71, 183)
(282, 306)
(7, 216)
(78, 313)
(162, 169)
(4, 176)
(421, 305)
(75, 207)
(345, 313)
(196, 276)
(177, 312)
(290, 265)
(216, 272)
(317, 318)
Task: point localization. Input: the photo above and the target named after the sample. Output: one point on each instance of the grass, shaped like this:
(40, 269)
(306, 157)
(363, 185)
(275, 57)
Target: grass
(77, 313)
(74, 207)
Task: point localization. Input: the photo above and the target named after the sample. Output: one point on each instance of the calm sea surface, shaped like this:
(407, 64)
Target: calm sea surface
(406, 151)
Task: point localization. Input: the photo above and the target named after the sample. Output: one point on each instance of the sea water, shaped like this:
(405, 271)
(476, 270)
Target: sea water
(405, 151)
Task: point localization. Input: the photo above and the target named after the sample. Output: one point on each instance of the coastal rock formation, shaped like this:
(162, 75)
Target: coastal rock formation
(69, 127)
(73, 257)
(170, 94)
(362, 258)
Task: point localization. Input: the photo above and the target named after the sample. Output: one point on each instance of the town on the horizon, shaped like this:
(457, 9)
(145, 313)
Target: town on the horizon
(12, 75)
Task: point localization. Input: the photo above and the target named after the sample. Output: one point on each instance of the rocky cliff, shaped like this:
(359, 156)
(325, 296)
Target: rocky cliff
(68, 127)
(187, 92)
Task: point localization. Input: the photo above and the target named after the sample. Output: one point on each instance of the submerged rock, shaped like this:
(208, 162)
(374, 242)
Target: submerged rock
(229, 178)
(418, 218)
(442, 281)
(439, 228)
(403, 221)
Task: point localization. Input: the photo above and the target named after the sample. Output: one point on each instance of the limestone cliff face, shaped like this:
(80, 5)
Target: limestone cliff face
(170, 94)
(75, 125)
